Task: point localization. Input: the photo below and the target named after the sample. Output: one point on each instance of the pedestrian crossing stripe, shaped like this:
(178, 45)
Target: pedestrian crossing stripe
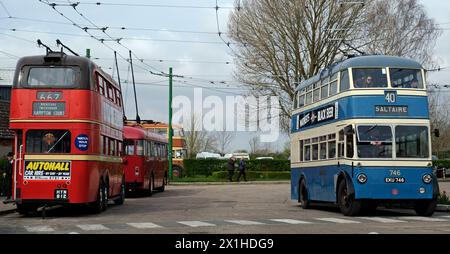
(37, 229)
(195, 224)
(144, 225)
(381, 219)
(291, 221)
(92, 227)
(338, 220)
(245, 222)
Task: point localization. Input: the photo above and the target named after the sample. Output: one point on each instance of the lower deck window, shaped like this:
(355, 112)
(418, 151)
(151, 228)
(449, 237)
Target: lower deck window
(48, 141)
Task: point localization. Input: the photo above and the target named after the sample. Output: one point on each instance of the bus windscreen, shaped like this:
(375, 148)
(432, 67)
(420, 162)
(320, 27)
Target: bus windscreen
(52, 77)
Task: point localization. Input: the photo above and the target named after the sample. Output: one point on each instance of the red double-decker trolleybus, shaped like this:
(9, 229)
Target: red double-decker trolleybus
(68, 122)
(146, 162)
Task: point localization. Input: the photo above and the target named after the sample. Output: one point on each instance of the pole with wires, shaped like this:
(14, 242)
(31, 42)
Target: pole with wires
(120, 86)
(138, 119)
(170, 126)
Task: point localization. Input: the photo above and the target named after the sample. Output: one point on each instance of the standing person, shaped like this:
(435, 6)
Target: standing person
(8, 175)
(242, 170)
(230, 169)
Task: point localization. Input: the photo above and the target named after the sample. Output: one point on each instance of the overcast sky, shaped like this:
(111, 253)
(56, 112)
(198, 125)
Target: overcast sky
(204, 61)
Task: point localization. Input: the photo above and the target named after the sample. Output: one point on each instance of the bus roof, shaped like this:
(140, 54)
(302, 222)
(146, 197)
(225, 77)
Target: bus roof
(137, 132)
(61, 59)
(371, 61)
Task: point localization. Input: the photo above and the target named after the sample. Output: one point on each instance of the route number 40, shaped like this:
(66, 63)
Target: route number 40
(390, 97)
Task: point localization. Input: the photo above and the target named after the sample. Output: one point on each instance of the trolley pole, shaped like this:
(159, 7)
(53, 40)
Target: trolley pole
(170, 125)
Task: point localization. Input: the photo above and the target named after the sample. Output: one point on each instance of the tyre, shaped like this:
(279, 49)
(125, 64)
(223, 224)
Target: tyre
(150, 186)
(121, 199)
(105, 195)
(98, 205)
(425, 207)
(347, 203)
(163, 187)
(303, 195)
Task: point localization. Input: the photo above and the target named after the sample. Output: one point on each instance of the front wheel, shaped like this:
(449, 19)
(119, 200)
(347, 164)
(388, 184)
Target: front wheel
(303, 193)
(347, 203)
(425, 207)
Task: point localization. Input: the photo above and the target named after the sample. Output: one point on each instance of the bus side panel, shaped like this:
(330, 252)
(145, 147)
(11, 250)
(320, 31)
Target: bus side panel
(320, 182)
(295, 181)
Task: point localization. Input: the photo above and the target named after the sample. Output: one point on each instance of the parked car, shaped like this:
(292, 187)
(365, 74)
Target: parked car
(207, 155)
(264, 158)
(238, 156)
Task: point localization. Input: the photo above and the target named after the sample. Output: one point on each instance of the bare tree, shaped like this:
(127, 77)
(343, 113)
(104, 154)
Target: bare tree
(254, 145)
(282, 42)
(440, 119)
(223, 140)
(400, 28)
(197, 141)
(279, 43)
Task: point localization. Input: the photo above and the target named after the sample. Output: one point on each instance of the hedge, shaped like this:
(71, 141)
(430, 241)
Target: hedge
(441, 163)
(206, 167)
(255, 175)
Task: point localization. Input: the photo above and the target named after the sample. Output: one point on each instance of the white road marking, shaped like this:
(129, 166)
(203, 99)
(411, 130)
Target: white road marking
(382, 220)
(73, 233)
(92, 227)
(426, 219)
(337, 220)
(291, 221)
(195, 224)
(245, 222)
(374, 233)
(144, 225)
(39, 229)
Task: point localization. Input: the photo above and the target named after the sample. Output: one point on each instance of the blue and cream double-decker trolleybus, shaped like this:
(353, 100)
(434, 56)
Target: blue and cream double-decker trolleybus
(360, 136)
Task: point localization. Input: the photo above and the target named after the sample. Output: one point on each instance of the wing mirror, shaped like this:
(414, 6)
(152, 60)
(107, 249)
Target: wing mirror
(437, 133)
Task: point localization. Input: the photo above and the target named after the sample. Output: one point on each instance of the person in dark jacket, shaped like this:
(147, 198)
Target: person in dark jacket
(241, 170)
(8, 175)
(230, 166)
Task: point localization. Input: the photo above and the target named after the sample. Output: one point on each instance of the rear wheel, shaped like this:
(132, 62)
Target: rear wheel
(425, 207)
(303, 196)
(98, 205)
(347, 203)
(163, 186)
(121, 199)
(151, 186)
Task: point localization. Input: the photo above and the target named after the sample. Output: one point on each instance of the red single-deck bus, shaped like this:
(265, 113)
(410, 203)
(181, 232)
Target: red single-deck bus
(67, 117)
(146, 163)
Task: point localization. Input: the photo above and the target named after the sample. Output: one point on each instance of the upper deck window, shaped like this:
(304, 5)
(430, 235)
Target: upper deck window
(370, 78)
(50, 77)
(406, 78)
